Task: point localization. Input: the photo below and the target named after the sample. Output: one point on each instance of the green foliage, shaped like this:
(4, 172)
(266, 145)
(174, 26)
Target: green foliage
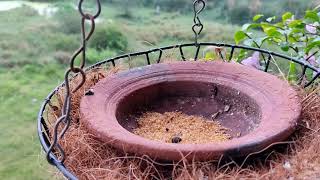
(94, 56)
(68, 19)
(127, 12)
(62, 57)
(208, 56)
(109, 38)
(240, 11)
(292, 74)
(174, 5)
(257, 17)
(239, 14)
(239, 36)
(62, 42)
(299, 37)
(27, 11)
(288, 34)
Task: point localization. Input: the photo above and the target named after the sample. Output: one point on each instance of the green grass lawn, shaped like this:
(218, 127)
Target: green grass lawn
(21, 93)
(26, 76)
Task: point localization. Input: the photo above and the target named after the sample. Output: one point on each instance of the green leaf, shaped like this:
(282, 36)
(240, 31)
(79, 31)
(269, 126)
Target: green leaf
(265, 25)
(296, 24)
(257, 17)
(280, 24)
(242, 54)
(286, 16)
(271, 19)
(311, 16)
(284, 46)
(296, 31)
(314, 44)
(248, 26)
(239, 36)
(209, 56)
(272, 32)
(292, 75)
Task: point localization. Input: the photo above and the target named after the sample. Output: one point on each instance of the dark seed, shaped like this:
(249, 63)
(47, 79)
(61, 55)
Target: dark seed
(89, 93)
(176, 139)
(54, 108)
(214, 91)
(167, 129)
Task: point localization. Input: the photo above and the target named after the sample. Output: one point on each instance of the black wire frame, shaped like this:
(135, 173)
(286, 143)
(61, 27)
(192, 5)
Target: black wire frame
(43, 131)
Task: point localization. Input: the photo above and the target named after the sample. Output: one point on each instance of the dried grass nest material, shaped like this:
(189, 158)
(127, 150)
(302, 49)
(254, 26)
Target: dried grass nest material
(89, 158)
(177, 127)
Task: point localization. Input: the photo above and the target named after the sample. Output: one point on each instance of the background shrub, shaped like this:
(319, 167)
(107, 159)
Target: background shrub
(94, 56)
(109, 38)
(62, 42)
(62, 57)
(68, 19)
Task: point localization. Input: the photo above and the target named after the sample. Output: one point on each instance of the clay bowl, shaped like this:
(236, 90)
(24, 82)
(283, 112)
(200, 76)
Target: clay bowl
(263, 109)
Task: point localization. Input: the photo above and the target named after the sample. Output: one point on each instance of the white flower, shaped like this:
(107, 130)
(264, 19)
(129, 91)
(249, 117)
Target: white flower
(311, 28)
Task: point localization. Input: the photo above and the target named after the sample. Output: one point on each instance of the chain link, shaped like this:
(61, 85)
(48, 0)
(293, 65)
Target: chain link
(198, 7)
(64, 120)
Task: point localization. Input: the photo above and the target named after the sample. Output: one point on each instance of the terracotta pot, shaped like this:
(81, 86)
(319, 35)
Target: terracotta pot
(263, 109)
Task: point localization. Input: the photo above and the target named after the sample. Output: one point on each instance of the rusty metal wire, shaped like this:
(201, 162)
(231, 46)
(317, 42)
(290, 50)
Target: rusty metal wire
(198, 7)
(64, 119)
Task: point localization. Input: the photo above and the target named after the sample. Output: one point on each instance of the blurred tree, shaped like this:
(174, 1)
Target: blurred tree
(254, 6)
(127, 10)
(109, 37)
(231, 4)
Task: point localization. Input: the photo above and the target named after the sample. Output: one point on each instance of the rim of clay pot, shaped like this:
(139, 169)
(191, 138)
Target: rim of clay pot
(279, 104)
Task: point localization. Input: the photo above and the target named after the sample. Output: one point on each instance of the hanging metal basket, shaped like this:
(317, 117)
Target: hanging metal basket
(45, 135)
(48, 139)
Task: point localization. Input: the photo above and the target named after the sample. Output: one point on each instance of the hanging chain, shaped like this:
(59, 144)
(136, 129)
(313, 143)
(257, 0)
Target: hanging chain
(198, 7)
(64, 120)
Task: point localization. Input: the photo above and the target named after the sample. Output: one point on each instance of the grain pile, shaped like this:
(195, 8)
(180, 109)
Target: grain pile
(176, 127)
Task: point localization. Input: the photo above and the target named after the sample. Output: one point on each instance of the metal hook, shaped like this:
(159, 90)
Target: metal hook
(85, 14)
(198, 7)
